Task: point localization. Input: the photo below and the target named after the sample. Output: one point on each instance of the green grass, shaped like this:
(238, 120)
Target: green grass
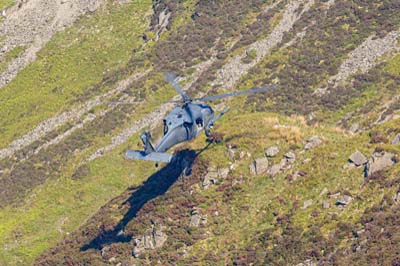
(39, 218)
(6, 4)
(14, 53)
(70, 64)
(261, 193)
(393, 66)
(63, 204)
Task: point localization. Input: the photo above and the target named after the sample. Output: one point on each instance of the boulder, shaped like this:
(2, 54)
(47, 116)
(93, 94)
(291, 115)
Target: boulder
(396, 197)
(152, 239)
(213, 175)
(323, 192)
(312, 142)
(334, 196)
(343, 200)
(105, 251)
(275, 169)
(272, 151)
(196, 218)
(307, 204)
(396, 140)
(326, 205)
(379, 162)
(354, 128)
(358, 158)
(209, 179)
(290, 157)
(232, 152)
(223, 173)
(259, 166)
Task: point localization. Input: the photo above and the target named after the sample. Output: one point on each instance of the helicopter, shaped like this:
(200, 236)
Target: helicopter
(184, 123)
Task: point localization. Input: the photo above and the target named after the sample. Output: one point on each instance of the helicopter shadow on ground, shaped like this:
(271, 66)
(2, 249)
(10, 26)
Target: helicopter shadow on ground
(155, 186)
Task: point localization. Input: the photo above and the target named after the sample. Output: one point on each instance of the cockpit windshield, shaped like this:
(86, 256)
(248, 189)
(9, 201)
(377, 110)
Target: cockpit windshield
(165, 127)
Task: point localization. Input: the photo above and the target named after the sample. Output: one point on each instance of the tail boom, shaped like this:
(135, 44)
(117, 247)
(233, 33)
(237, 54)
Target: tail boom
(152, 156)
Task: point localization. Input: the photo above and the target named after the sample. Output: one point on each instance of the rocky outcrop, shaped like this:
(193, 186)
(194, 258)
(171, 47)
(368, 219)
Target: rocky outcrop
(284, 164)
(276, 168)
(272, 151)
(307, 204)
(343, 200)
(259, 166)
(364, 57)
(213, 176)
(379, 162)
(290, 157)
(312, 142)
(358, 159)
(32, 24)
(154, 238)
(396, 140)
(196, 219)
(235, 69)
(58, 120)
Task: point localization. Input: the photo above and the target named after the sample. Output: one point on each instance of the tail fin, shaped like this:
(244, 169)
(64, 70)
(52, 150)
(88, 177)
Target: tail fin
(148, 148)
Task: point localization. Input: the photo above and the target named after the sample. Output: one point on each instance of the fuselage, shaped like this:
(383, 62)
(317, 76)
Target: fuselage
(184, 123)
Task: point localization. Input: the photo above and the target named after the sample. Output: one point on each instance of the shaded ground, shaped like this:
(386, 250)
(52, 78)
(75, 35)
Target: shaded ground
(138, 208)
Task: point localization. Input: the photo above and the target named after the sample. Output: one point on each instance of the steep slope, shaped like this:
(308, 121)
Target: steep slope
(221, 214)
(336, 66)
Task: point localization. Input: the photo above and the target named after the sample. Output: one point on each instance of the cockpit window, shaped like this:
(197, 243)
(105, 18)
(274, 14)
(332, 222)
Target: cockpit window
(165, 127)
(199, 122)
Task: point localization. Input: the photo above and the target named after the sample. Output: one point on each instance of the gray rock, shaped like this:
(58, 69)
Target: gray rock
(396, 197)
(380, 161)
(307, 204)
(272, 151)
(210, 179)
(396, 140)
(231, 153)
(153, 238)
(308, 262)
(323, 192)
(326, 205)
(223, 173)
(275, 169)
(343, 200)
(105, 251)
(312, 142)
(354, 128)
(196, 218)
(335, 196)
(213, 175)
(259, 166)
(290, 157)
(358, 158)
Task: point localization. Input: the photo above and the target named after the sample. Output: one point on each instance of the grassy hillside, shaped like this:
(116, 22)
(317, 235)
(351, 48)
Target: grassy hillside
(61, 207)
(6, 3)
(71, 65)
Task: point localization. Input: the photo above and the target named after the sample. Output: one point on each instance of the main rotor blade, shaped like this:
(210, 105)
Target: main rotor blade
(236, 93)
(172, 80)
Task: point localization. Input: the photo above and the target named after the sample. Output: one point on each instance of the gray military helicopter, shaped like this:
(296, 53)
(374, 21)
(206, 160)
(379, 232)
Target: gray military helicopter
(183, 123)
